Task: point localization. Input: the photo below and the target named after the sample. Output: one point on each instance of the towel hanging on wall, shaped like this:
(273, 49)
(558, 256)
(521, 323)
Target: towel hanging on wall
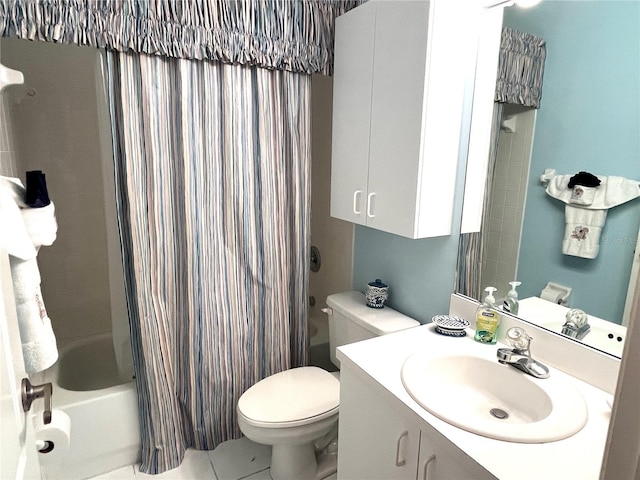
(24, 230)
(587, 200)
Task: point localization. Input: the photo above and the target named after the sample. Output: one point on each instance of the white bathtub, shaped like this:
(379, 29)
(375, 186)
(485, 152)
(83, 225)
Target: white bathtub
(102, 405)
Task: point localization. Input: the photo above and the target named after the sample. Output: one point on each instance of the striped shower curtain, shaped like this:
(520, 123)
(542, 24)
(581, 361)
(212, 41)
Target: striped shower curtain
(213, 187)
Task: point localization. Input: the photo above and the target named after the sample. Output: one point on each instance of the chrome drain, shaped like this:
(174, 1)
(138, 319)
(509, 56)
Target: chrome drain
(499, 413)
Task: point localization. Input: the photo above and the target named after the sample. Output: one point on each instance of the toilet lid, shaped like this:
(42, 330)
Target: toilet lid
(291, 396)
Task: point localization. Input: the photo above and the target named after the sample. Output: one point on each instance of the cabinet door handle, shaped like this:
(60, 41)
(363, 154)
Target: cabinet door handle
(425, 472)
(356, 194)
(400, 461)
(369, 208)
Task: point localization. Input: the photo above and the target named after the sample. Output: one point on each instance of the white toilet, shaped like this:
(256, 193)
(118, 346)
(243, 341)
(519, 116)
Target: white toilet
(292, 409)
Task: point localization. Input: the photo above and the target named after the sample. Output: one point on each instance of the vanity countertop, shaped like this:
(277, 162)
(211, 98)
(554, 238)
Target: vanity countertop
(604, 335)
(579, 456)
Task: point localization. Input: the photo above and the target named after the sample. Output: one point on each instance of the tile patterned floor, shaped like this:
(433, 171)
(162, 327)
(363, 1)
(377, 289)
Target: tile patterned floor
(232, 460)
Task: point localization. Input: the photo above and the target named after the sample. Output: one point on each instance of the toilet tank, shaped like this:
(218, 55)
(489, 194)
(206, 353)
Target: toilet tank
(350, 320)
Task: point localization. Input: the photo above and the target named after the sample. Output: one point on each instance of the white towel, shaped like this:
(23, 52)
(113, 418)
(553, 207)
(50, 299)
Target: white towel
(582, 231)
(13, 234)
(39, 347)
(586, 209)
(15, 189)
(611, 192)
(41, 224)
(581, 195)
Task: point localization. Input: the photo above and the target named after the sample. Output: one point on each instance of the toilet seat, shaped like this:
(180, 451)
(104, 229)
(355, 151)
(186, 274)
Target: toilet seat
(291, 398)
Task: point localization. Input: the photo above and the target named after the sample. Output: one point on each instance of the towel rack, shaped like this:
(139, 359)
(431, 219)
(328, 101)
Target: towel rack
(550, 172)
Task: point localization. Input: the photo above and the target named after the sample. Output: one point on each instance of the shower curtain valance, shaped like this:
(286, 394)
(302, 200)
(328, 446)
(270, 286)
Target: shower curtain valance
(292, 35)
(520, 68)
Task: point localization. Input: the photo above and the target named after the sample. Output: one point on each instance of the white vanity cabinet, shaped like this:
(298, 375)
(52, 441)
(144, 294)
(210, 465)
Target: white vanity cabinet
(437, 461)
(399, 88)
(379, 438)
(374, 440)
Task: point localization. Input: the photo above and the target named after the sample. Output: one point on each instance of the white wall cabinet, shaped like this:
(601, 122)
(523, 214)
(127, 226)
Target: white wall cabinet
(379, 438)
(401, 68)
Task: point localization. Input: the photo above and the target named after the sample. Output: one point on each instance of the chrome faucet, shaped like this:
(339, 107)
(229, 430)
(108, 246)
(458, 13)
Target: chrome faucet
(576, 324)
(520, 355)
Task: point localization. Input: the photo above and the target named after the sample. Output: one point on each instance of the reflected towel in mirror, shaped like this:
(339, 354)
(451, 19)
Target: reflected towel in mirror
(586, 211)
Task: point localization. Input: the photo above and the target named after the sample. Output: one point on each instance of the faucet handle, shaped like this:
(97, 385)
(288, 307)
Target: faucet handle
(31, 392)
(518, 338)
(577, 317)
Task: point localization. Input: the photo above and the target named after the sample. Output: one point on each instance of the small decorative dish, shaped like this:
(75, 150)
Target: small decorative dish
(450, 323)
(450, 333)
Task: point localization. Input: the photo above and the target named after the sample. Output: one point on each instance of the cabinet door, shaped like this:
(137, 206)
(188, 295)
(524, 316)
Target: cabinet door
(353, 68)
(396, 115)
(440, 462)
(400, 86)
(375, 440)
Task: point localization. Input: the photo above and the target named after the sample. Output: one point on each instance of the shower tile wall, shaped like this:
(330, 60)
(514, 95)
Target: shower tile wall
(333, 237)
(56, 131)
(507, 201)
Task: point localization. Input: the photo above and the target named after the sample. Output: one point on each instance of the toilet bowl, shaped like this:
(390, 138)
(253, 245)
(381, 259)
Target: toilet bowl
(289, 411)
(292, 409)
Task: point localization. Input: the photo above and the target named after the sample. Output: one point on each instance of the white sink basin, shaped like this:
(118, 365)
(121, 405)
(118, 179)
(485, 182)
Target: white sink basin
(473, 393)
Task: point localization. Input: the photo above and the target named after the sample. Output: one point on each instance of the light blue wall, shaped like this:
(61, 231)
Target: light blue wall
(589, 120)
(420, 273)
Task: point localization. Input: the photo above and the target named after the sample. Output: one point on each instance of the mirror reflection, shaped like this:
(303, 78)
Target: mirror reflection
(588, 121)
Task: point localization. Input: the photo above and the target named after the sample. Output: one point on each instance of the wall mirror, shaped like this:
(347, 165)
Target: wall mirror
(588, 120)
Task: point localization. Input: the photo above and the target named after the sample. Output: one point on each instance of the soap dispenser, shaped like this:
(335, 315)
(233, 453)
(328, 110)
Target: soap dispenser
(487, 319)
(511, 304)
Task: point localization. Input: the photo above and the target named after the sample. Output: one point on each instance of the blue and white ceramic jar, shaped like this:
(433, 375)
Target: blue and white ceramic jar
(377, 293)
